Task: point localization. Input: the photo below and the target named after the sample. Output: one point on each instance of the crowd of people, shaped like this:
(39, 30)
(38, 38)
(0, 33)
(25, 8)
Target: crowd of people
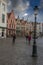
(27, 36)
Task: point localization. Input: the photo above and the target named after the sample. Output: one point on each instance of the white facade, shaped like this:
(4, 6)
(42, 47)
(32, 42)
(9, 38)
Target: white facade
(41, 27)
(38, 29)
(3, 14)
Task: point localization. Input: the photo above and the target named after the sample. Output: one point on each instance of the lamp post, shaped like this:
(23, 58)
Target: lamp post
(34, 52)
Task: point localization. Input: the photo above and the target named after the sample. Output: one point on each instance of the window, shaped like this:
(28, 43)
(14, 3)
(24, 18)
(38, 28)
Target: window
(3, 6)
(11, 21)
(18, 28)
(18, 23)
(3, 18)
(9, 25)
(12, 25)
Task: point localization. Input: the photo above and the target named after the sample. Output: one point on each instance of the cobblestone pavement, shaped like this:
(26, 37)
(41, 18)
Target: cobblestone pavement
(20, 53)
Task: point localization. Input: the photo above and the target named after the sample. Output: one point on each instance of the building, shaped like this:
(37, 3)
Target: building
(3, 14)
(22, 27)
(41, 28)
(18, 27)
(38, 28)
(11, 24)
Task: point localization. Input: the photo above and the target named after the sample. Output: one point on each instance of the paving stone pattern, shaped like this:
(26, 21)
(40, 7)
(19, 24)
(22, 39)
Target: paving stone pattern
(19, 53)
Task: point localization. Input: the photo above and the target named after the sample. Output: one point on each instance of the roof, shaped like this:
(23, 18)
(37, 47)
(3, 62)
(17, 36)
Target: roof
(8, 14)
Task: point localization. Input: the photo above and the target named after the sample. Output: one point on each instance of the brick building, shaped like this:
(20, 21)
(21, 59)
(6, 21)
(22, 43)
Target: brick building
(11, 24)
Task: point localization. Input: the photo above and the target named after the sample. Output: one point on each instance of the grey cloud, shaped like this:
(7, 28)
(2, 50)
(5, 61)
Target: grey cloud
(20, 5)
(41, 4)
(14, 3)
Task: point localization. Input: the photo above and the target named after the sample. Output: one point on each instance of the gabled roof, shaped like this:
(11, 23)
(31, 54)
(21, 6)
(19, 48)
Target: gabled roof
(8, 14)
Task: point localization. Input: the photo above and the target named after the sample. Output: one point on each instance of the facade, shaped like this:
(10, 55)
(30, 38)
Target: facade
(11, 24)
(41, 28)
(29, 26)
(23, 27)
(18, 27)
(38, 28)
(3, 14)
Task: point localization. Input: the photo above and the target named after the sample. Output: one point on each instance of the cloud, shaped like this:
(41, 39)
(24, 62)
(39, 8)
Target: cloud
(41, 3)
(20, 14)
(21, 6)
(9, 6)
(40, 18)
(9, 3)
(25, 14)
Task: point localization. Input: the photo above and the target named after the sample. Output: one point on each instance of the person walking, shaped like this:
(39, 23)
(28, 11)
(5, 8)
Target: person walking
(29, 38)
(14, 37)
(26, 35)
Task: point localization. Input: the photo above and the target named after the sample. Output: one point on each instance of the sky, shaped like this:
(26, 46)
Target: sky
(25, 9)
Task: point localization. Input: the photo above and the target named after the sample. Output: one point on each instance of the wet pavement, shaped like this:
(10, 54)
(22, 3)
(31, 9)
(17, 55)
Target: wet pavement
(20, 53)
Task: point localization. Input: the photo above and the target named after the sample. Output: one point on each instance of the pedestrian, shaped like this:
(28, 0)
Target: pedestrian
(14, 37)
(26, 37)
(29, 38)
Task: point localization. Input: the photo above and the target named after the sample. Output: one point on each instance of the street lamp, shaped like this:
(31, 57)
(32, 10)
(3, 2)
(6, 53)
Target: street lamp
(34, 52)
